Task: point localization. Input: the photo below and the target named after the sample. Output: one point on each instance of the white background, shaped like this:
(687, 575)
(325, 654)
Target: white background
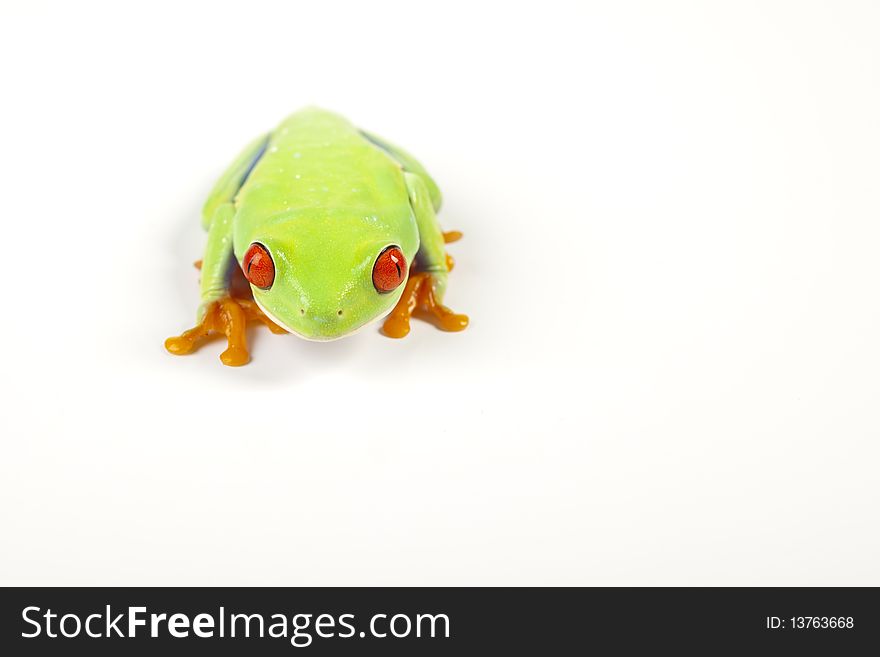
(671, 263)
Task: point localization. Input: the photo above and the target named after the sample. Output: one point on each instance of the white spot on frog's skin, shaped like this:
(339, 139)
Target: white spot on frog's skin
(354, 189)
(283, 131)
(297, 176)
(324, 189)
(297, 155)
(274, 149)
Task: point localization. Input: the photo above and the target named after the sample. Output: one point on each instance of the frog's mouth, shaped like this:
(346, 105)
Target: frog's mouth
(321, 338)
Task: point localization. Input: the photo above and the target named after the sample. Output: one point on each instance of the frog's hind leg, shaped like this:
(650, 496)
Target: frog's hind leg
(409, 164)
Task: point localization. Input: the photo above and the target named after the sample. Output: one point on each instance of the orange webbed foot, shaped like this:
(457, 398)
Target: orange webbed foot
(224, 316)
(418, 298)
(441, 316)
(227, 316)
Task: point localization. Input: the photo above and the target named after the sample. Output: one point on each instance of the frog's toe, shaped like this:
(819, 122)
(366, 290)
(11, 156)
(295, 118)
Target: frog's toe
(442, 317)
(235, 356)
(396, 327)
(272, 326)
(189, 340)
(448, 320)
(397, 323)
(232, 320)
(181, 344)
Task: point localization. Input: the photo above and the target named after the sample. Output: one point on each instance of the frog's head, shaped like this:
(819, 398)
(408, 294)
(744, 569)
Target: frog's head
(325, 279)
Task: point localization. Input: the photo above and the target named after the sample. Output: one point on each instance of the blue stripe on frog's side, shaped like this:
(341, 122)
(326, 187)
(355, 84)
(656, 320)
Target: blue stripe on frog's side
(257, 158)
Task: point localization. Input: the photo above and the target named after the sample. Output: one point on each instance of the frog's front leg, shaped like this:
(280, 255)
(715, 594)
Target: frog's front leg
(225, 307)
(224, 316)
(426, 286)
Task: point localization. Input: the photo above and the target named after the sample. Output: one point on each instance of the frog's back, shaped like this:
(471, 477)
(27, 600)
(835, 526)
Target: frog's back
(318, 159)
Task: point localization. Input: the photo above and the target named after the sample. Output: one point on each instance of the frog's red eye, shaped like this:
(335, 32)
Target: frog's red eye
(258, 266)
(390, 269)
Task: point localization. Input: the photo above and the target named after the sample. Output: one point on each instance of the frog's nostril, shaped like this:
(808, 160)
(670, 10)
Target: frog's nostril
(302, 311)
(339, 312)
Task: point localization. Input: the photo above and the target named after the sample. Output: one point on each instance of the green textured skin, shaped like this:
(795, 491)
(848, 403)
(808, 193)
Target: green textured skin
(325, 199)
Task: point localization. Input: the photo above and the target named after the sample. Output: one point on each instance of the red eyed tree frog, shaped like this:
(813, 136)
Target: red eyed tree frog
(319, 228)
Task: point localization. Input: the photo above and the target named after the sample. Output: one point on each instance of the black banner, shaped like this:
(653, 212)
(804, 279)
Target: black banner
(420, 621)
